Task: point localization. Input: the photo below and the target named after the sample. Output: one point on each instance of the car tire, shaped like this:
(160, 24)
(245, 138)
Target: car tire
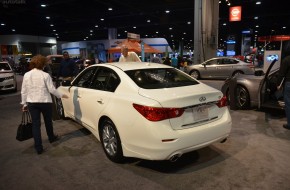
(111, 142)
(243, 97)
(228, 96)
(59, 108)
(237, 73)
(195, 74)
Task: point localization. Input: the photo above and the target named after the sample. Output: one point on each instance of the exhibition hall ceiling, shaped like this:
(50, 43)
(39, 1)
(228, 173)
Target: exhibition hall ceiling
(75, 20)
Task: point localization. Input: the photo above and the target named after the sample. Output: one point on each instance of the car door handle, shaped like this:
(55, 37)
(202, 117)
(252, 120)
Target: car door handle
(100, 101)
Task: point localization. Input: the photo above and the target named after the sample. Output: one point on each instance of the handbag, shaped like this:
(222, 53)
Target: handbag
(24, 130)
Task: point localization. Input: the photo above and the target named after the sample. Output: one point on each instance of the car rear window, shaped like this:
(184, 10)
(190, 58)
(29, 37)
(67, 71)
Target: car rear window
(4, 67)
(160, 78)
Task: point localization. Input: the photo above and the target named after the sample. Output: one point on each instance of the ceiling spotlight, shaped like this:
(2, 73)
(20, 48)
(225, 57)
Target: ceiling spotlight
(91, 31)
(170, 28)
(96, 26)
(258, 3)
(51, 25)
(110, 9)
(13, 30)
(148, 20)
(256, 18)
(188, 22)
(47, 17)
(43, 5)
(134, 26)
(102, 19)
(167, 11)
(2, 24)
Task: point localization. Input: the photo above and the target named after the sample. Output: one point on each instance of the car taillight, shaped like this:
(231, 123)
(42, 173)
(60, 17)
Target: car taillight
(158, 114)
(222, 102)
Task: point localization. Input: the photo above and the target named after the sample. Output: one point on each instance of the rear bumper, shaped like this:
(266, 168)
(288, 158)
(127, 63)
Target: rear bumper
(185, 140)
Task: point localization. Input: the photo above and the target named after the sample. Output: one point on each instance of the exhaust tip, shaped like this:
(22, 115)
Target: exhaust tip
(174, 158)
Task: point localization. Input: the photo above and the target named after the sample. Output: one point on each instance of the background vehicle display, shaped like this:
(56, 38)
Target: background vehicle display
(7, 77)
(146, 110)
(258, 90)
(219, 68)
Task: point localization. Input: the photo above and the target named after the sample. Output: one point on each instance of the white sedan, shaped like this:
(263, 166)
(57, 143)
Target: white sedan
(7, 78)
(146, 110)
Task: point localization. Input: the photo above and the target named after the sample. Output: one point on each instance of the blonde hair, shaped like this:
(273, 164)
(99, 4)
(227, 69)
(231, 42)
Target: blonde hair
(38, 62)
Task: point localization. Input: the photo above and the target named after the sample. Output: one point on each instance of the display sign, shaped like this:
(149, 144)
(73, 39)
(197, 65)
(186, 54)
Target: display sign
(133, 36)
(235, 13)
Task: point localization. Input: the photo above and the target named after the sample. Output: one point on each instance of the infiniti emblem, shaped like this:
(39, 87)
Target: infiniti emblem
(202, 99)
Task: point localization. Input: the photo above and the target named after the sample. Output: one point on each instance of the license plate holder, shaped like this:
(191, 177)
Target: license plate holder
(200, 113)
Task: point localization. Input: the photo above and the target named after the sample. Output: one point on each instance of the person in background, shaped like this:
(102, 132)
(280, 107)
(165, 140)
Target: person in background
(167, 61)
(37, 87)
(284, 77)
(128, 56)
(156, 59)
(174, 61)
(68, 68)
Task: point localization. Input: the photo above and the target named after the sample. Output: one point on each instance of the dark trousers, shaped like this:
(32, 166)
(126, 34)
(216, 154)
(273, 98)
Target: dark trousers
(287, 101)
(35, 110)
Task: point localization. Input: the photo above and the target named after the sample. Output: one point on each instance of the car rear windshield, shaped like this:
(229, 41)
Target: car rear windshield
(160, 78)
(4, 67)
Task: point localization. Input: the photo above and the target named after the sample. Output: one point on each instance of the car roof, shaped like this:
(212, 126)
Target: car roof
(126, 66)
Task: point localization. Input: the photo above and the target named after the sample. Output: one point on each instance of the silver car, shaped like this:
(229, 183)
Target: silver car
(220, 68)
(255, 91)
(7, 77)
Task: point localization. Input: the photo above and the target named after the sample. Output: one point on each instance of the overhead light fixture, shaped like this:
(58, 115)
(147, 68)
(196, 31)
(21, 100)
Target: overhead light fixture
(102, 19)
(51, 25)
(110, 9)
(2, 24)
(47, 17)
(96, 26)
(13, 30)
(258, 3)
(167, 11)
(148, 20)
(43, 5)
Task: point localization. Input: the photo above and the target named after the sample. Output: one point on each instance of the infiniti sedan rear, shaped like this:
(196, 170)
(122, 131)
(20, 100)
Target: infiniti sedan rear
(146, 110)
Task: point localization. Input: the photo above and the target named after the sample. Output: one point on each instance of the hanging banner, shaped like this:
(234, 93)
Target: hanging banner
(235, 13)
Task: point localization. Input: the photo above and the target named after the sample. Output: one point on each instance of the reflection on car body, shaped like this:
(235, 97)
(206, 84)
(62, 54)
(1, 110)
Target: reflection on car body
(219, 68)
(146, 110)
(258, 90)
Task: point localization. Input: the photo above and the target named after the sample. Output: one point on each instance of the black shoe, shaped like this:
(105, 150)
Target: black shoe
(40, 151)
(55, 138)
(286, 126)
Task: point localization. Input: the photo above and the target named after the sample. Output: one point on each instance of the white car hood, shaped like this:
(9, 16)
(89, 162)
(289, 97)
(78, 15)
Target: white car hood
(185, 96)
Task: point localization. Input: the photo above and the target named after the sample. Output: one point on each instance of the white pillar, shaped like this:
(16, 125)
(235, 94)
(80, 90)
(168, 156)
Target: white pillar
(206, 20)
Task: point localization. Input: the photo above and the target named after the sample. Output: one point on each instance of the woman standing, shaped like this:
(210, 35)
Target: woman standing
(35, 94)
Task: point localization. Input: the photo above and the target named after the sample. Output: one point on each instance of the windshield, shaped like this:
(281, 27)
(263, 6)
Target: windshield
(4, 67)
(160, 78)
